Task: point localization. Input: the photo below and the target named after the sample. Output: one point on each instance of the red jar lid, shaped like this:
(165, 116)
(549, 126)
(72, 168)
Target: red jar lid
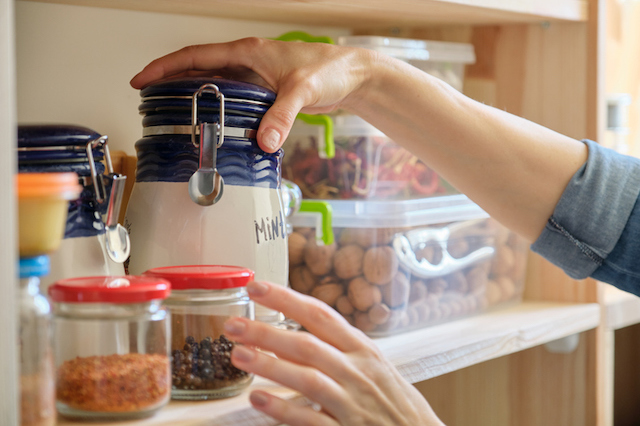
(117, 289)
(205, 277)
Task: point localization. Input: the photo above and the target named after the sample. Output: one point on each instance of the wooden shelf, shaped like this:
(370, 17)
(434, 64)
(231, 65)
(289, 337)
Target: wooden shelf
(362, 13)
(419, 355)
(622, 309)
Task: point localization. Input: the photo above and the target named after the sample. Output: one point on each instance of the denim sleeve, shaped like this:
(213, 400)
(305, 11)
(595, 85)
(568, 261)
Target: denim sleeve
(595, 227)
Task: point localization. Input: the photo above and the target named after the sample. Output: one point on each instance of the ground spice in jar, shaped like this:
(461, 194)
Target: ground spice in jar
(114, 383)
(37, 406)
(205, 365)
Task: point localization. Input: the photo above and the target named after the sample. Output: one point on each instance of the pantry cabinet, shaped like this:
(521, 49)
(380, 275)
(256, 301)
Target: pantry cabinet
(543, 60)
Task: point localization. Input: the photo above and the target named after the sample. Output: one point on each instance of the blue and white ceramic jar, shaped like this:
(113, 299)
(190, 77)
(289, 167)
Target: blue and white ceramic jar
(84, 250)
(199, 135)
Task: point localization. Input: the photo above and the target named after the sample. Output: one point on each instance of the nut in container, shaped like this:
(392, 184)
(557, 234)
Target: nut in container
(398, 266)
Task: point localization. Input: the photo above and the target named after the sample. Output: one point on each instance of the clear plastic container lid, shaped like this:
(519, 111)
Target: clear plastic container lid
(392, 214)
(413, 50)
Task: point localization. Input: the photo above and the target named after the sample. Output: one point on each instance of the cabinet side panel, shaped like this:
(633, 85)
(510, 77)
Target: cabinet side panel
(8, 249)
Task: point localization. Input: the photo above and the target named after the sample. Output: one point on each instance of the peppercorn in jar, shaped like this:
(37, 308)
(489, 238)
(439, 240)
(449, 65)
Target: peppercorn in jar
(203, 297)
(111, 347)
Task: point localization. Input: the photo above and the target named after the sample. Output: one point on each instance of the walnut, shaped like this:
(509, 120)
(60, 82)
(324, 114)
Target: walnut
(472, 303)
(435, 314)
(393, 322)
(347, 261)
(380, 265)
(371, 237)
(319, 258)
(344, 306)
(363, 322)
(493, 293)
(507, 287)
(347, 236)
(423, 311)
(418, 291)
(296, 242)
(458, 247)
(431, 253)
(519, 270)
(458, 282)
(328, 293)
(437, 286)
(379, 313)
(477, 276)
(308, 233)
(362, 294)
(502, 262)
(301, 279)
(414, 317)
(445, 310)
(397, 292)
(433, 300)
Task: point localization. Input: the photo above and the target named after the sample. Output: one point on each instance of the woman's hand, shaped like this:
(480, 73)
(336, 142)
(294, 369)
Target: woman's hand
(312, 77)
(334, 365)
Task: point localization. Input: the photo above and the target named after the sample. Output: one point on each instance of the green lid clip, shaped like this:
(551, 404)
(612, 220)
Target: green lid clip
(324, 232)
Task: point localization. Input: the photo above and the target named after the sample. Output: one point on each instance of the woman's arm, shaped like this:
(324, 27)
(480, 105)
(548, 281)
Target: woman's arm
(514, 169)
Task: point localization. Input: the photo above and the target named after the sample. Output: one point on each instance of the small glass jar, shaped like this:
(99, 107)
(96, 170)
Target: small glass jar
(202, 299)
(37, 396)
(111, 347)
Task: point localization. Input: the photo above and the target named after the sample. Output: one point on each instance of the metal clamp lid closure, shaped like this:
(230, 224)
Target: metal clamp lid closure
(98, 184)
(117, 238)
(206, 184)
(406, 244)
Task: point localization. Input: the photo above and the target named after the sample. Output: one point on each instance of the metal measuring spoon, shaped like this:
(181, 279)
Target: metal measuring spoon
(117, 237)
(206, 184)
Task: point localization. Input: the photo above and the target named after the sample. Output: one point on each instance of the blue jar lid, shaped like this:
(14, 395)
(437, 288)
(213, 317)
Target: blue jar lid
(56, 143)
(184, 105)
(34, 266)
(184, 119)
(187, 86)
(49, 135)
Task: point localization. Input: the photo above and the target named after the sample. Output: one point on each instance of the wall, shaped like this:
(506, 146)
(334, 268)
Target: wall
(74, 63)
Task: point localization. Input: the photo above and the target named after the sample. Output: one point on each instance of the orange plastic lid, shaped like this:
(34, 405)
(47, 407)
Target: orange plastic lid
(51, 185)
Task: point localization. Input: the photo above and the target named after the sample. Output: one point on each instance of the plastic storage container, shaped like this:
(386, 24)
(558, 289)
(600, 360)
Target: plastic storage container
(397, 266)
(92, 245)
(202, 299)
(111, 344)
(367, 165)
(442, 59)
(37, 375)
(43, 200)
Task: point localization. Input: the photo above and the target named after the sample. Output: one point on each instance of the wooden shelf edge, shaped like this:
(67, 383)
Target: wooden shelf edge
(431, 352)
(419, 355)
(361, 13)
(621, 309)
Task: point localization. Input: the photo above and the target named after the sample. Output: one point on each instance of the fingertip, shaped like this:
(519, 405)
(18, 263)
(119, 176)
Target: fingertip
(270, 140)
(259, 399)
(134, 82)
(257, 288)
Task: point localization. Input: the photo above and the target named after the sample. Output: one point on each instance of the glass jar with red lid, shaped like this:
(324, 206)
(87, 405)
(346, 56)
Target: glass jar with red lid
(111, 344)
(203, 297)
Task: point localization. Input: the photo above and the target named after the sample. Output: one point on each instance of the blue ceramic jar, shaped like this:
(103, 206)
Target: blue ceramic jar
(205, 193)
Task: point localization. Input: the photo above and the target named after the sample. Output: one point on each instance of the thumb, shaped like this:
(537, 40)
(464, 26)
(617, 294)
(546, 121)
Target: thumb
(277, 122)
